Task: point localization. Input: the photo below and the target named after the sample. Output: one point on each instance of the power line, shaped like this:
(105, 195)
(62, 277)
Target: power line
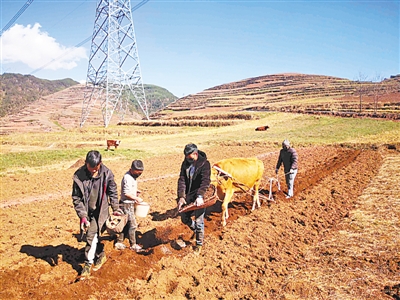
(20, 12)
(83, 42)
(55, 59)
(139, 5)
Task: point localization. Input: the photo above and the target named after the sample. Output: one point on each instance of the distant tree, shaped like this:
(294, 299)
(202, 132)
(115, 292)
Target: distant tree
(361, 87)
(377, 90)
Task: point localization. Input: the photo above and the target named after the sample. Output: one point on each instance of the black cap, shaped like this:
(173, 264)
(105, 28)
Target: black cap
(137, 165)
(190, 148)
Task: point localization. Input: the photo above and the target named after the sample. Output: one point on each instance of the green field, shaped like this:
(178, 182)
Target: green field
(22, 151)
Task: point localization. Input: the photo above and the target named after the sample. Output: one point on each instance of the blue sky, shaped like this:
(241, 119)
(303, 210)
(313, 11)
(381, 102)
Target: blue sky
(189, 46)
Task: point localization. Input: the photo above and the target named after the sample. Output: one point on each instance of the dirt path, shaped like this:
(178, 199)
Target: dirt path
(287, 250)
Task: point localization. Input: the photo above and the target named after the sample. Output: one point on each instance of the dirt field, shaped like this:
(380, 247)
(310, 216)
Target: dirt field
(336, 239)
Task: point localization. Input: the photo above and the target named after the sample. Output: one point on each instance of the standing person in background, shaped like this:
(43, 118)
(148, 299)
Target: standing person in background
(130, 196)
(288, 156)
(194, 180)
(93, 190)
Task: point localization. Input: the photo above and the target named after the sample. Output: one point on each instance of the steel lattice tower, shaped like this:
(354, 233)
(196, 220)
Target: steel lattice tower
(114, 75)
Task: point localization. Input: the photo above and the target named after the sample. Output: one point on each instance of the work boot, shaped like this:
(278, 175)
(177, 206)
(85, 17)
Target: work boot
(99, 262)
(119, 246)
(181, 243)
(136, 248)
(86, 271)
(197, 250)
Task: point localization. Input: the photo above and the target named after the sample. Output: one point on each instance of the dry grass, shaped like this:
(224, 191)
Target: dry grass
(302, 130)
(371, 235)
(179, 123)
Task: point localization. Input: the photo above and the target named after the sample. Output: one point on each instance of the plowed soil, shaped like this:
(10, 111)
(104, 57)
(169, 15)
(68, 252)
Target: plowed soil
(336, 239)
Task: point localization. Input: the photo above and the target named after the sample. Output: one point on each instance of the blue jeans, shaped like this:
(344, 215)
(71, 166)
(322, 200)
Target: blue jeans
(290, 182)
(197, 226)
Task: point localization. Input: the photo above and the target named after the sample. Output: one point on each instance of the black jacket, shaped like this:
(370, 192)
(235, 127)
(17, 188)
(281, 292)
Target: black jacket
(107, 189)
(289, 158)
(198, 185)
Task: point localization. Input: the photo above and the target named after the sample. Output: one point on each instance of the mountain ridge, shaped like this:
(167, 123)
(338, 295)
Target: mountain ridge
(286, 92)
(291, 92)
(34, 104)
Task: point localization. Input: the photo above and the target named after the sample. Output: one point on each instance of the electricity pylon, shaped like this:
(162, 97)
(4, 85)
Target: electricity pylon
(114, 75)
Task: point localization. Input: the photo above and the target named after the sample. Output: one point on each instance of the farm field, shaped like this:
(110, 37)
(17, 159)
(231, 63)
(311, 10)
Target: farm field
(336, 239)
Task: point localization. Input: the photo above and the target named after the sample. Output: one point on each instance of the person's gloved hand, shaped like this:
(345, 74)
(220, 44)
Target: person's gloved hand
(291, 171)
(181, 202)
(84, 224)
(118, 212)
(199, 201)
(276, 171)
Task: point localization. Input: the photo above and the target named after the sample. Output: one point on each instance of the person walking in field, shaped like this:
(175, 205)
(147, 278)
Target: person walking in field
(130, 196)
(289, 158)
(194, 180)
(93, 191)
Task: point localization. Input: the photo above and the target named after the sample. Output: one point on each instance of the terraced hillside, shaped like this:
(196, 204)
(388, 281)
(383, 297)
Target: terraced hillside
(313, 94)
(299, 93)
(58, 111)
(52, 112)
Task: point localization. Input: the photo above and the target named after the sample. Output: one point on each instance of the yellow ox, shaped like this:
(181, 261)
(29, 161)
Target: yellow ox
(234, 175)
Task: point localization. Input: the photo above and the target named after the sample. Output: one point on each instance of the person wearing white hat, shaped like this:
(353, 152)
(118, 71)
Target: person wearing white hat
(289, 158)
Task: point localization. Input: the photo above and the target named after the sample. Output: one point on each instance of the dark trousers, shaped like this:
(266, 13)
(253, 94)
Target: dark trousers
(197, 225)
(94, 248)
(130, 227)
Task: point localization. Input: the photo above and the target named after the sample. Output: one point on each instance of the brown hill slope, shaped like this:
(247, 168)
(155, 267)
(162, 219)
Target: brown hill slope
(297, 92)
(58, 111)
(32, 104)
(17, 90)
(282, 92)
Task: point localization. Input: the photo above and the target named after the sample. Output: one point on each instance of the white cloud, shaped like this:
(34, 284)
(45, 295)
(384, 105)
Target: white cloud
(37, 49)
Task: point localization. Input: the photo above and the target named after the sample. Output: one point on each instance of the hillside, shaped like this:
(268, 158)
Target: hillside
(300, 93)
(297, 93)
(18, 91)
(33, 104)
(157, 98)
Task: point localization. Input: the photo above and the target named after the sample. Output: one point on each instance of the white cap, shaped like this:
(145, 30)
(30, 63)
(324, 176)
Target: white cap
(286, 143)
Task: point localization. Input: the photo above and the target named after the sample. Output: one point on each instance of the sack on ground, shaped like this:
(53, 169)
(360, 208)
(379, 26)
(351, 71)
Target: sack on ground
(116, 224)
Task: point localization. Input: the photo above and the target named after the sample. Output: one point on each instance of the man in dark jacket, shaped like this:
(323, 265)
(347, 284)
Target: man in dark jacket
(194, 180)
(93, 190)
(288, 156)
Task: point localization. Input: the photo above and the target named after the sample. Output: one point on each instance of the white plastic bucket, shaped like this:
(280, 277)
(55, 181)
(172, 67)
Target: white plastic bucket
(142, 209)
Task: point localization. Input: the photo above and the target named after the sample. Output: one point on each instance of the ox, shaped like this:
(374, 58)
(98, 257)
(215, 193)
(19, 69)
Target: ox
(236, 175)
(262, 128)
(112, 143)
